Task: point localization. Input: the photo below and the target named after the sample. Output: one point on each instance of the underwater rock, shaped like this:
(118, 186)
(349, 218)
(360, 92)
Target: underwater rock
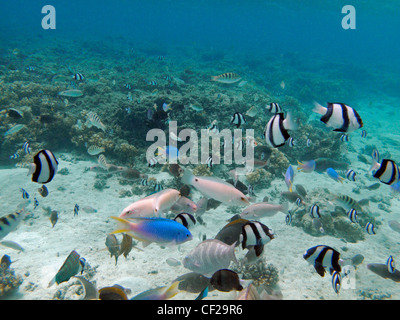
(9, 281)
(260, 178)
(262, 274)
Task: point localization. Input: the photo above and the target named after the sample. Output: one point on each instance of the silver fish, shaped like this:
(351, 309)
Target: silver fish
(10, 222)
(71, 93)
(14, 129)
(209, 256)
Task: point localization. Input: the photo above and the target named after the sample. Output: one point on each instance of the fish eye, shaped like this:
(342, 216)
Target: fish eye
(196, 179)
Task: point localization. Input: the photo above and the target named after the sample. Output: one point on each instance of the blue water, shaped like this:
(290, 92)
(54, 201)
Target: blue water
(294, 52)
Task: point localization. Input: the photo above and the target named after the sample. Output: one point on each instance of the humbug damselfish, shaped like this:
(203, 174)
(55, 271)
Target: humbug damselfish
(44, 167)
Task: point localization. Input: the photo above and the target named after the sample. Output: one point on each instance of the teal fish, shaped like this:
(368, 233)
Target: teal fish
(160, 293)
(71, 93)
(14, 129)
(71, 267)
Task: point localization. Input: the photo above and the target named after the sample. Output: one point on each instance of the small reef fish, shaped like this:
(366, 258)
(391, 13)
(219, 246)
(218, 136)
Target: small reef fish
(238, 119)
(202, 294)
(186, 219)
(210, 256)
(276, 130)
(387, 171)
(173, 262)
(94, 120)
(115, 292)
(10, 222)
(339, 116)
(164, 200)
(375, 156)
(78, 76)
(76, 209)
(255, 234)
(160, 293)
(35, 203)
(363, 134)
(381, 269)
(252, 112)
(334, 175)
(26, 148)
(95, 150)
(322, 257)
(289, 177)
(89, 209)
(314, 211)
(370, 228)
(140, 208)
(263, 209)
(215, 188)
(71, 267)
(274, 108)
(336, 281)
(14, 129)
(12, 245)
(184, 204)
(308, 166)
(344, 138)
(391, 265)
(308, 143)
(152, 162)
(226, 280)
(113, 247)
(25, 194)
(348, 202)
(351, 175)
(196, 108)
(53, 218)
(291, 143)
(166, 107)
(228, 77)
(14, 156)
(44, 167)
(73, 93)
(289, 218)
(158, 230)
(352, 215)
(231, 232)
(194, 282)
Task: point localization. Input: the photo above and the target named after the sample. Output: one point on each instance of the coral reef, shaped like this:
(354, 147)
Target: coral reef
(9, 281)
(260, 178)
(262, 274)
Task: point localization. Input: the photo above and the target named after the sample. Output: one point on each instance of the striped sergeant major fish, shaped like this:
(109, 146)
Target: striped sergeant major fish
(238, 119)
(387, 171)
(348, 203)
(228, 77)
(10, 222)
(276, 130)
(351, 175)
(324, 257)
(339, 116)
(390, 264)
(274, 108)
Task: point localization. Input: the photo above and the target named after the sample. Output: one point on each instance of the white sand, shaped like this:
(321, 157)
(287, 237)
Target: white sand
(46, 248)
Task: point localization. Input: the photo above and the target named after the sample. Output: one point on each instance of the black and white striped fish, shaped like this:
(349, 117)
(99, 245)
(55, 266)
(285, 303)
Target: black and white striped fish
(363, 134)
(375, 155)
(127, 86)
(144, 182)
(291, 142)
(10, 222)
(78, 76)
(351, 175)
(390, 264)
(387, 171)
(352, 215)
(76, 209)
(44, 167)
(238, 119)
(309, 142)
(152, 162)
(314, 211)
(210, 162)
(275, 131)
(288, 218)
(323, 257)
(186, 219)
(167, 77)
(14, 156)
(152, 82)
(370, 228)
(158, 187)
(35, 203)
(344, 138)
(26, 147)
(25, 194)
(339, 116)
(256, 234)
(298, 202)
(336, 279)
(274, 107)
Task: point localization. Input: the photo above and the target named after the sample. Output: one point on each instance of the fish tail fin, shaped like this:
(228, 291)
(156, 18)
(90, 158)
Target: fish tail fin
(122, 225)
(232, 251)
(289, 122)
(318, 108)
(187, 177)
(172, 291)
(375, 166)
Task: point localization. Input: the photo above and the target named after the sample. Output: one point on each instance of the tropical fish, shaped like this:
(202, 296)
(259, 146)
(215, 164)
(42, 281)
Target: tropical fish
(148, 230)
(14, 156)
(252, 112)
(184, 204)
(166, 107)
(352, 215)
(115, 292)
(141, 208)
(348, 203)
(336, 281)
(215, 188)
(76, 209)
(78, 77)
(14, 129)
(274, 108)
(112, 245)
(390, 264)
(209, 256)
(194, 282)
(196, 108)
(152, 162)
(238, 119)
(255, 234)
(351, 175)
(71, 93)
(314, 211)
(289, 176)
(308, 143)
(339, 116)
(12, 245)
(344, 138)
(334, 175)
(370, 228)
(44, 167)
(95, 150)
(263, 209)
(276, 130)
(226, 280)
(94, 120)
(387, 171)
(231, 232)
(228, 77)
(363, 134)
(25, 194)
(53, 218)
(186, 219)
(71, 267)
(26, 147)
(164, 200)
(160, 293)
(10, 222)
(89, 209)
(322, 257)
(291, 143)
